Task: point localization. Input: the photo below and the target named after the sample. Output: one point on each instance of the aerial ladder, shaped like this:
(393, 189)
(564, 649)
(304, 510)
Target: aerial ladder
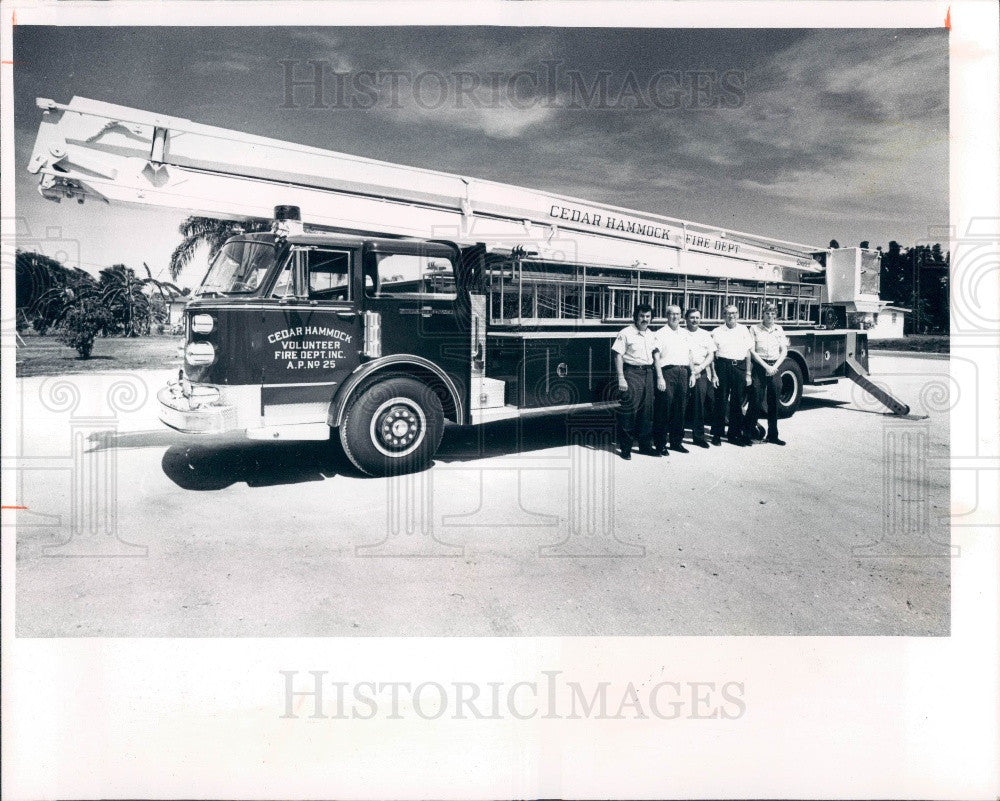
(91, 150)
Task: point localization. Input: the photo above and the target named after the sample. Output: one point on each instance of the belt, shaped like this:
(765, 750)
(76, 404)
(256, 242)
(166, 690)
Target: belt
(732, 361)
(638, 366)
(668, 366)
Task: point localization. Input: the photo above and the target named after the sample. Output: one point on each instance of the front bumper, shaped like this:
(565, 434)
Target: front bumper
(182, 408)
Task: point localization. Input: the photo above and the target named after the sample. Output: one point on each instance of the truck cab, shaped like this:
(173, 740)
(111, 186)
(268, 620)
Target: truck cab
(290, 333)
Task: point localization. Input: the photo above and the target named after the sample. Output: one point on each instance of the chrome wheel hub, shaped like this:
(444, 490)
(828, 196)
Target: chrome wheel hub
(398, 427)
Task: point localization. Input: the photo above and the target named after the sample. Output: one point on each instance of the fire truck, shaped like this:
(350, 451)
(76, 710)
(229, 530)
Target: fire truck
(388, 300)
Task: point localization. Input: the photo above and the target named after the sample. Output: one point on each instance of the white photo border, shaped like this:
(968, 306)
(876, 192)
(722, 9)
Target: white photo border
(854, 717)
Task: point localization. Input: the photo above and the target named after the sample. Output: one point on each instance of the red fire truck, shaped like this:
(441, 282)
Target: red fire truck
(416, 298)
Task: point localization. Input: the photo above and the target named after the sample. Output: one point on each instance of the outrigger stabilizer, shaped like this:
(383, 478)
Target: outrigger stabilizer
(854, 371)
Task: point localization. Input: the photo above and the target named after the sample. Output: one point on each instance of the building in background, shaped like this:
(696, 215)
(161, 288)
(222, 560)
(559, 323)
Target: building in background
(175, 321)
(889, 321)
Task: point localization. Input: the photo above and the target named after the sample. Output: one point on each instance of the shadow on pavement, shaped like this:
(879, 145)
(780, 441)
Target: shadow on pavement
(810, 402)
(217, 465)
(206, 465)
(826, 403)
(201, 464)
(517, 436)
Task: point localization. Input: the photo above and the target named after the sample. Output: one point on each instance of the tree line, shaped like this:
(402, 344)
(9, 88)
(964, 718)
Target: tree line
(78, 307)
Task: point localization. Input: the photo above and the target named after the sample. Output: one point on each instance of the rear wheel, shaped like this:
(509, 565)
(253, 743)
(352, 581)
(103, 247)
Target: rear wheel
(392, 427)
(789, 392)
(790, 388)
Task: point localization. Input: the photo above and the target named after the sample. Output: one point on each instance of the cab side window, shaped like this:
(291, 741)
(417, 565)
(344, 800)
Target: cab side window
(406, 274)
(329, 274)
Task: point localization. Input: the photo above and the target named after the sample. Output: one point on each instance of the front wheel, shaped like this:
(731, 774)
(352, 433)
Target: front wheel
(392, 427)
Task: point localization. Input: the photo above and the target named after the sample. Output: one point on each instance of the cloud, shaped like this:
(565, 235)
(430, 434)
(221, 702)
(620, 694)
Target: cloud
(495, 122)
(463, 79)
(213, 67)
(837, 118)
(472, 85)
(839, 128)
(218, 63)
(836, 121)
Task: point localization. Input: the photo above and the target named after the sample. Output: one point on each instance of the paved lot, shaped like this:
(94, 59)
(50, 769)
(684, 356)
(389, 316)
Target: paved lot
(146, 532)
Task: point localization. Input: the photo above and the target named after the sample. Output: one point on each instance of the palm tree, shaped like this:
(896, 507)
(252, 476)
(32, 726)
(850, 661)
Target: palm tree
(207, 231)
(166, 291)
(122, 296)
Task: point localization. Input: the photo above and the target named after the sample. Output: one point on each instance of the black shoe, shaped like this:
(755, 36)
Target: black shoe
(649, 451)
(739, 442)
(716, 440)
(701, 443)
(663, 451)
(679, 449)
(626, 455)
(775, 440)
(748, 441)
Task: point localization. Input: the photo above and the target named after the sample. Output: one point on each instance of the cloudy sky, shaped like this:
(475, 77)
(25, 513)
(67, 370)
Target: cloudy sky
(805, 135)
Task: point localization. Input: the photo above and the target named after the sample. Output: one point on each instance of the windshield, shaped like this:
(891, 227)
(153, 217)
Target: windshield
(239, 268)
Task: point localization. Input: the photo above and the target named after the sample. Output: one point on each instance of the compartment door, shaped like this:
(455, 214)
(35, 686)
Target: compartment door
(563, 371)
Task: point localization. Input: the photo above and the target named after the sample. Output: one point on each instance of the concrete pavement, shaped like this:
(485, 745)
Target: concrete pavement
(518, 529)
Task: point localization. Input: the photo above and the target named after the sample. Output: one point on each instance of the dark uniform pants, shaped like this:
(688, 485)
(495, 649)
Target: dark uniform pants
(729, 397)
(698, 397)
(763, 385)
(668, 411)
(635, 410)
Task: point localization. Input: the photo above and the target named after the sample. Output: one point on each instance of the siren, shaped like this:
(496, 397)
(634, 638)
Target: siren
(287, 220)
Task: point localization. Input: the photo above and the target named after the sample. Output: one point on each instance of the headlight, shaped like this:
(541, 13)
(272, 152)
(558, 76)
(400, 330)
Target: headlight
(199, 353)
(202, 323)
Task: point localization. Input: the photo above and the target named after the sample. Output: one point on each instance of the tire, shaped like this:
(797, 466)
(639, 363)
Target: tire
(790, 395)
(392, 427)
(791, 391)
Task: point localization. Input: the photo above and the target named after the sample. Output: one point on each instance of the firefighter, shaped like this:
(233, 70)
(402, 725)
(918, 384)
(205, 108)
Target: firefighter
(637, 364)
(769, 348)
(702, 374)
(732, 370)
(674, 345)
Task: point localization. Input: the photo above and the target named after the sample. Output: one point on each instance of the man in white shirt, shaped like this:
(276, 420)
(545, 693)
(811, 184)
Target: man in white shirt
(702, 355)
(637, 365)
(769, 349)
(732, 369)
(674, 346)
